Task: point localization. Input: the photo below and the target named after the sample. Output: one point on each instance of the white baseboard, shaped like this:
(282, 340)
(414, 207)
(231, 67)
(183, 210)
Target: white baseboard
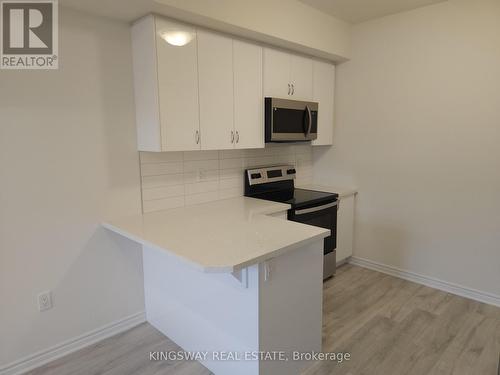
(48, 355)
(445, 286)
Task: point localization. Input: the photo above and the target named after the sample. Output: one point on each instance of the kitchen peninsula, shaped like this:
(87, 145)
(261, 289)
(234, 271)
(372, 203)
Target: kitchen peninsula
(232, 276)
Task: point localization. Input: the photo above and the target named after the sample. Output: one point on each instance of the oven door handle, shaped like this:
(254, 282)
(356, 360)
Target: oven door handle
(315, 209)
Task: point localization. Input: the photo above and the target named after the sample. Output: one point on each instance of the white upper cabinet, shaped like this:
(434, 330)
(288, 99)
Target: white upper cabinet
(276, 73)
(215, 65)
(323, 93)
(287, 75)
(230, 89)
(166, 85)
(301, 75)
(248, 99)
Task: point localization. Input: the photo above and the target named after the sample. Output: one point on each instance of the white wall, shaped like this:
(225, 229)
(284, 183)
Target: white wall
(418, 132)
(67, 159)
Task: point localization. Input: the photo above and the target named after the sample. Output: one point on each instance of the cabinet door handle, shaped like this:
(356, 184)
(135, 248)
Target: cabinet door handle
(293, 88)
(289, 89)
(197, 137)
(267, 271)
(232, 136)
(237, 136)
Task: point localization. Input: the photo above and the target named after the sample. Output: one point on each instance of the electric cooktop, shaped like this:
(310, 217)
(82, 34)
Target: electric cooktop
(276, 184)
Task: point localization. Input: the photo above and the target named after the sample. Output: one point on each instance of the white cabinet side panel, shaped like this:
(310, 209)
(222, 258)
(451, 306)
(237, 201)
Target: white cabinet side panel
(146, 85)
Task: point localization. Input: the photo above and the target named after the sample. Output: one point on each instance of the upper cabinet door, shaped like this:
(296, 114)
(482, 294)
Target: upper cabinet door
(276, 73)
(248, 99)
(301, 78)
(177, 68)
(323, 93)
(215, 66)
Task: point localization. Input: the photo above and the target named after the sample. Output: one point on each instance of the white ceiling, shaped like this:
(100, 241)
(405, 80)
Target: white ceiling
(356, 11)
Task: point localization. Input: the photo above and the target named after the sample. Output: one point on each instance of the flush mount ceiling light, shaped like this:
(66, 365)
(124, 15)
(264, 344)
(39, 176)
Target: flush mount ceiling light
(177, 38)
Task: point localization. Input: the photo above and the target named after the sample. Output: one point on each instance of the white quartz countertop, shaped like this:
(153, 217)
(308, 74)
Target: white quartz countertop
(343, 192)
(222, 236)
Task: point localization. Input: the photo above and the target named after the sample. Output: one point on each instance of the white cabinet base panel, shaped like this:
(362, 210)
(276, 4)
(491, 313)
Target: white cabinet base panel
(273, 306)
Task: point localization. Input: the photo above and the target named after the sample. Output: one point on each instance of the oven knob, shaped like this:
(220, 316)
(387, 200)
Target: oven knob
(290, 171)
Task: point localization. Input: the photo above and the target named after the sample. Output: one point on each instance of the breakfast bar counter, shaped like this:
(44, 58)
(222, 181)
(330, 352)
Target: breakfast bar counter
(232, 279)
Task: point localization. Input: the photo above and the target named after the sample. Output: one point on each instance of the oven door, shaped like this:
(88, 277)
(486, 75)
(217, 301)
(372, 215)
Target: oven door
(290, 120)
(324, 216)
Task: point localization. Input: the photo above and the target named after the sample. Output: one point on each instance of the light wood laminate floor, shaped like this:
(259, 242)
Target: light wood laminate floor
(388, 325)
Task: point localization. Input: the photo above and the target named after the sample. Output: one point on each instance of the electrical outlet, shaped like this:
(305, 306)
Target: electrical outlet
(45, 301)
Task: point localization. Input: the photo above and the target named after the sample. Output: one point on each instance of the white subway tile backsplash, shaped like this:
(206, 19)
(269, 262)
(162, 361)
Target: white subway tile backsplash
(201, 165)
(157, 169)
(162, 180)
(228, 183)
(200, 176)
(231, 154)
(201, 155)
(232, 163)
(160, 157)
(201, 187)
(274, 151)
(302, 149)
(302, 157)
(231, 173)
(175, 179)
(162, 192)
(260, 161)
(303, 164)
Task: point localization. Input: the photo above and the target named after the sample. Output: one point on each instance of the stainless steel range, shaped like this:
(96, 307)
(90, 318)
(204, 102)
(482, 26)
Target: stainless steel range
(307, 206)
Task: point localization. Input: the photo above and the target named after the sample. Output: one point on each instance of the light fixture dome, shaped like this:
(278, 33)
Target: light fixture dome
(177, 38)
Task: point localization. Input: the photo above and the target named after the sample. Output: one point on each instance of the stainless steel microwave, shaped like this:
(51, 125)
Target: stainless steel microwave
(290, 120)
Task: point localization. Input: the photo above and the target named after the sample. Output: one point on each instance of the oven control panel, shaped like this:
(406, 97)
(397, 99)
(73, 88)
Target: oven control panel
(263, 175)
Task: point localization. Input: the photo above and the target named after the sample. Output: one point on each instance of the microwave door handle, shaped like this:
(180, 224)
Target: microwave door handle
(309, 116)
(305, 125)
